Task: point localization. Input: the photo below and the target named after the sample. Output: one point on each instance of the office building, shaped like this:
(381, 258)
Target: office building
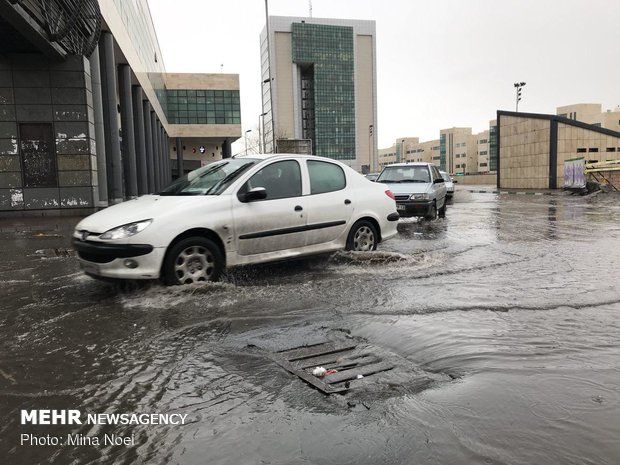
(88, 115)
(319, 83)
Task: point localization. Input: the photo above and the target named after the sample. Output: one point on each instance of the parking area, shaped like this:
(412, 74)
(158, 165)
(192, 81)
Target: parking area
(499, 324)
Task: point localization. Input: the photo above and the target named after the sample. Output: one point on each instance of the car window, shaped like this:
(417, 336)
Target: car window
(325, 177)
(405, 174)
(212, 179)
(281, 180)
(436, 174)
(445, 176)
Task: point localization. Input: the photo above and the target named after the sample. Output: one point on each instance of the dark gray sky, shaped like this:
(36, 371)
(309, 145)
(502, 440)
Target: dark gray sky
(440, 63)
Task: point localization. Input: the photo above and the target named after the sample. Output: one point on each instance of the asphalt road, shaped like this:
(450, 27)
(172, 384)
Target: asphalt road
(501, 322)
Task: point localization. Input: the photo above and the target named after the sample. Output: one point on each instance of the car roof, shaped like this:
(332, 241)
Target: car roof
(267, 156)
(415, 163)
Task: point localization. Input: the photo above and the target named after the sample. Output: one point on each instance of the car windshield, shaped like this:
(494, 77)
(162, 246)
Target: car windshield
(405, 174)
(212, 179)
(445, 176)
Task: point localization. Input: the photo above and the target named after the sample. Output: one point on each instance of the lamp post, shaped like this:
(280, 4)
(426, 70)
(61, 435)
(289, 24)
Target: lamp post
(246, 140)
(261, 134)
(518, 87)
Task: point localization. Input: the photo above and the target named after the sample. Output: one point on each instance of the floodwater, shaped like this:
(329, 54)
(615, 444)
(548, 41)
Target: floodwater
(504, 317)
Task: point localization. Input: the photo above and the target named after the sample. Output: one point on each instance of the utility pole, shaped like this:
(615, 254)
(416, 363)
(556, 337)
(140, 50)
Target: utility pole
(518, 87)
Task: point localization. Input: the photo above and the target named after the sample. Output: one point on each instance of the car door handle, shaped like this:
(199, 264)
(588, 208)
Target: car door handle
(298, 208)
(347, 202)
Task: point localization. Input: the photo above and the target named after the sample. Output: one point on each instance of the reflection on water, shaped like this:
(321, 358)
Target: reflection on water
(509, 305)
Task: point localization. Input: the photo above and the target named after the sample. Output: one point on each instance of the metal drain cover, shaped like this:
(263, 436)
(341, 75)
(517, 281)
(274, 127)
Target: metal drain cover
(53, 253)
(347, 362)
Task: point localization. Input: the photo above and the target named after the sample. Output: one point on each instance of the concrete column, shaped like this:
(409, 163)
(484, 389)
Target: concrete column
(156, 153)
(166, 154)
(148, 139)
(226, 149)
(138, 124)
(162, 159)
(180, 169)
(114, 166)
(95, 76)
(129, 137)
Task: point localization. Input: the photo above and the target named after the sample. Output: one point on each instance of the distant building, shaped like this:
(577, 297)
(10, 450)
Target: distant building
(319, 83)
(592, 113)
(88, 115)
(456, 151)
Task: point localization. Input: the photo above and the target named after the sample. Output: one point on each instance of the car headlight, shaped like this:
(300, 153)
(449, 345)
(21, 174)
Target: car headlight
(126, 230)
(419, 197)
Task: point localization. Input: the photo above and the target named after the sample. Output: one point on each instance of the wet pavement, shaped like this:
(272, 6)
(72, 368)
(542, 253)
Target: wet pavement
(502, 320)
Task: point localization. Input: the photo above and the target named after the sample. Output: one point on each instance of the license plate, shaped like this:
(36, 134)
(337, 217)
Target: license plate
(400, 207)
(90, 268)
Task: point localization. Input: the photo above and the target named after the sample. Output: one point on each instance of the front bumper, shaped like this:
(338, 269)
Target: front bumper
(409, 208)
(111, 260)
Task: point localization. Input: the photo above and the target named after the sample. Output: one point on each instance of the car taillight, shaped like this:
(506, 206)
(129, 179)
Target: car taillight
(390, 194)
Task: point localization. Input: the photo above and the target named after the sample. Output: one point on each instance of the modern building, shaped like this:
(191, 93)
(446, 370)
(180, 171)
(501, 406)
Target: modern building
(319, 83)
(88, 115)
(532, 148)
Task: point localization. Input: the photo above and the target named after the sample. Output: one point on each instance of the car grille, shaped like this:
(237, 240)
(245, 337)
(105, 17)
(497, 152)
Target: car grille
(96, 258)
(401, 197)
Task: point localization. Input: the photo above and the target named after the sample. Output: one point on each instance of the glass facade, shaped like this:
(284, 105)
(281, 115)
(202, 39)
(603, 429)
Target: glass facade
(328, 50)
(187, 106)
(442, 151)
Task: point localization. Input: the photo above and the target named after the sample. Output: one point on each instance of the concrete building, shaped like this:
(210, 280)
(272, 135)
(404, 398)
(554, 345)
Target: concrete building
(532, 148)
(592, 113)
(483, 151)
(87, 110)
(319, 83)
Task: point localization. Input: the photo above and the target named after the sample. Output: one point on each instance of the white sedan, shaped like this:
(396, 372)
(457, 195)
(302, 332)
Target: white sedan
(237, 211)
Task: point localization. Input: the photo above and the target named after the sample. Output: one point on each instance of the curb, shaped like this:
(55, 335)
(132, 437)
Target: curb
(508, 192)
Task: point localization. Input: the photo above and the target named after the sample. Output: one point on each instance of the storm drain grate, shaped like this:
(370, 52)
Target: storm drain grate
(56, 252)
(344, 365)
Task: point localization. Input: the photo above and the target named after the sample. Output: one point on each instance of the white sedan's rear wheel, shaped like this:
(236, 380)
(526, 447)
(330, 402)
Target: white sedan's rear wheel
(363, 237)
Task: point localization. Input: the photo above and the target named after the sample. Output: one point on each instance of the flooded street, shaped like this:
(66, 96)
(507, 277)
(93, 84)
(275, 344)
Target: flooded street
(501, 319)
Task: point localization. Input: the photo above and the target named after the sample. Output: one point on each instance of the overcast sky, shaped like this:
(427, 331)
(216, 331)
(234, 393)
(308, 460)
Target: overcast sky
(440, 63)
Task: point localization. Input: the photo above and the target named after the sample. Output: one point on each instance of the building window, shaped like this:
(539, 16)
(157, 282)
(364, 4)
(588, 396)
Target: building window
(484, 152)
(581, 150)
(482, 165)
(611, 149)
(38, 155)
(593, 149)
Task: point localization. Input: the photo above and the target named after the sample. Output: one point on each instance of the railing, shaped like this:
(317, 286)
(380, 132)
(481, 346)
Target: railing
(74, 24)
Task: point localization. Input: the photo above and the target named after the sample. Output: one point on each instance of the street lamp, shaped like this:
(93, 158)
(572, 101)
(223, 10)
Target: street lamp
(261, 134)
(246, 140)
(518, 87)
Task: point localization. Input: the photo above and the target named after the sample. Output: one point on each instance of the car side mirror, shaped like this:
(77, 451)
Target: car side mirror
(438, 180)
(258, 193)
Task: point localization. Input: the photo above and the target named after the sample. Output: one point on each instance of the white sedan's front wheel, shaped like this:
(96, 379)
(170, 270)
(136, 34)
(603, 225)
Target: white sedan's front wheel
(363, 237)
(193, 260)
